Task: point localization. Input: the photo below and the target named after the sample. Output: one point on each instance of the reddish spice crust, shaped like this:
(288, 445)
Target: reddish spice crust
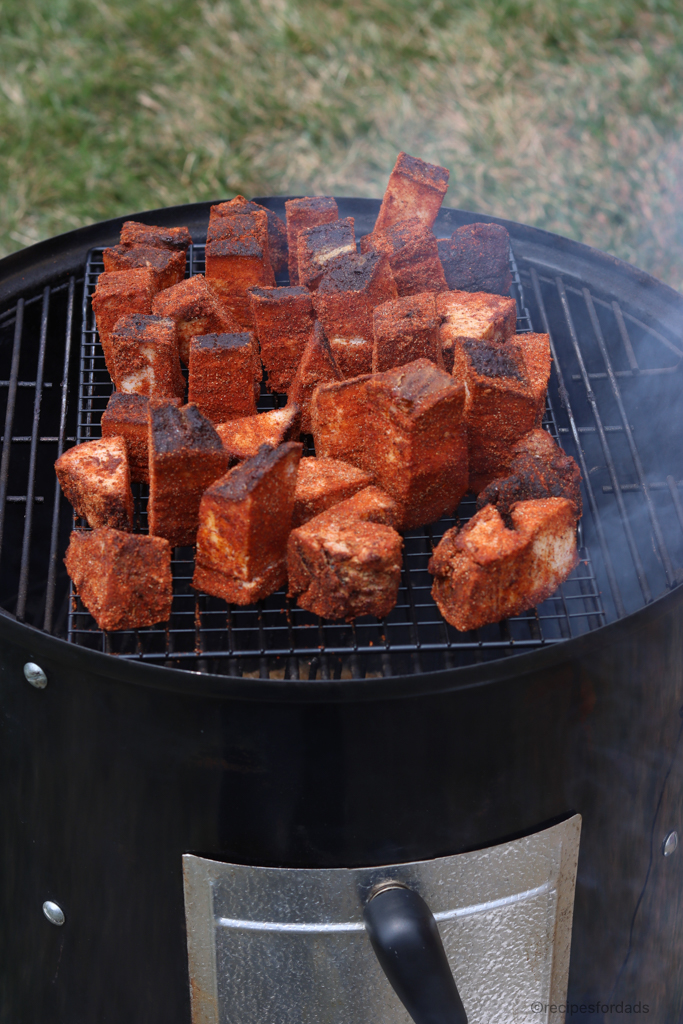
(305, 213)
(405, 330)
(95, 479)
(134, 233)
(415, 190)
(196, 309)
(221, 381)
(476, 258)
(242, 438)
(323, 483)
(144, 353)
(168, 265)
(117, 295)
(283, 321)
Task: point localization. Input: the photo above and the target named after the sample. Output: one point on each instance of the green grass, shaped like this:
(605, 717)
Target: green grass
(567, 115)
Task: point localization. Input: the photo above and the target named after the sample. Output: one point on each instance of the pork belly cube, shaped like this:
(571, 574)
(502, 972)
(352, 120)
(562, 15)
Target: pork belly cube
(417, 447)
(144, 352)
(196, 309)
(506, 387)
(476, 258)
(277, 232)
(348, 293)
(320, 244)
(473, 315)
(221, 381)
(415, 190)
(134, 233)
(305, 213)
(485, 572)
(338, 420)
(95, 479)
(539, 469)
(168, 264)
(245, 519)
(283, 320)
(118, 294)
(239, 261)
(126, 417)
(185, 457)
(242, 438)
(317, 366)
(413, 255)
(347, 561)
(323, 483)
(123, 579)
(405, 330)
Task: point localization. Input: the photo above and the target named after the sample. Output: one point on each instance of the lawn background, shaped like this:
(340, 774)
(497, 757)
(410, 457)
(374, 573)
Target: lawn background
(566, 115)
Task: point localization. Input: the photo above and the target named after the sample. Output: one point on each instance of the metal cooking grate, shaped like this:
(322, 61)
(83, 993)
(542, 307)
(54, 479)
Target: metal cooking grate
(633, 521)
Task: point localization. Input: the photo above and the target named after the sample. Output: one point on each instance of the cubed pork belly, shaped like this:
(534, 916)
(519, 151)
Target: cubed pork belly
(320, 244)
(221, 380)
(415, 190)
(346, 561)
(196, 309)
(406, 329)
(185, 457)
(317, 366)
(134, 233)
(506, 388)
(168, 265)
(323, 483)
(476, 258)
(305, 213)
(144, 353)
(95, 479)
(277, 231)
(238, 261)
(417, 440)
(245, 519)
(338, 420)
(119, 294)
(413, 255)
(539, 469)
(123, 579)
(283, 321)
(126, 417)
(477, 316)
(485, 571)
(242, 438)
(350, 289)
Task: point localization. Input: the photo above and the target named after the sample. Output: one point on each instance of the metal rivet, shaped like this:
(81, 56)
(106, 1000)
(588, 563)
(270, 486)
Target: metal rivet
(53, 912)
(670, 844)
(35, 675)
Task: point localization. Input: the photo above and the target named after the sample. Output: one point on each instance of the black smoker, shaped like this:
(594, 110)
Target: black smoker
(266, 737)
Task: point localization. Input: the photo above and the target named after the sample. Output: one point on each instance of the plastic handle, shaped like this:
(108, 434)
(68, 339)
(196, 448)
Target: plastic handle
(405, 938)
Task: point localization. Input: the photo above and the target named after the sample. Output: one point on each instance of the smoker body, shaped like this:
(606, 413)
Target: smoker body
(118, 768)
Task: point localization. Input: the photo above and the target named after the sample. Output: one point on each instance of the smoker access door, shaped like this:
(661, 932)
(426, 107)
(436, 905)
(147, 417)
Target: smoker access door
(288, 945)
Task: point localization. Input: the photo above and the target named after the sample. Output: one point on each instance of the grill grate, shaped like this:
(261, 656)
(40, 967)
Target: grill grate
(631, 538)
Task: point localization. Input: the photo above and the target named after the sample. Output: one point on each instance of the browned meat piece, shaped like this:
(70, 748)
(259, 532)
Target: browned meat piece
(277, 232)
(133, 233)
(305, 213)
(348, 293)
(123, 579)
(196, 309)
(539, 469)
(283, 319)
(245, 519)
(506, 387)
(320, 244)
(317, 366)
(417, 440)
(185, 457)
(413, 255)
(243, 437)
(473, 315)
(486, 572)
(118, 294)
(144, 353)
(405, 330)
(168, 265)
(95, 478)
(346, 562)
(126, 416)
(338, 415)
(238, 261)
(221, 382)
(476, 258)
(415, 190)
(323, 483)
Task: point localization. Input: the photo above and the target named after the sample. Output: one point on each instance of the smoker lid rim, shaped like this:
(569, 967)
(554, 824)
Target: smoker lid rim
(39, 645)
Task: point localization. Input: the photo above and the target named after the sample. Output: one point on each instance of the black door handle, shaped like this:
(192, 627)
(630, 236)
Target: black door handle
(405, 938)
